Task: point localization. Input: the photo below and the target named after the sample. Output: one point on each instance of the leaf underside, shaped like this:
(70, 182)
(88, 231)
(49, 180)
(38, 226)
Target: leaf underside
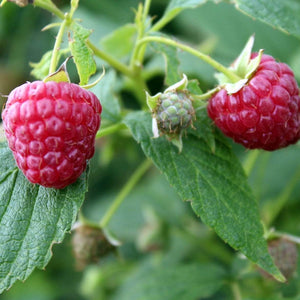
(283, 15)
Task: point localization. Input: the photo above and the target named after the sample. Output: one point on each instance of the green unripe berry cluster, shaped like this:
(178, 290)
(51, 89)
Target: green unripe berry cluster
(174, 112)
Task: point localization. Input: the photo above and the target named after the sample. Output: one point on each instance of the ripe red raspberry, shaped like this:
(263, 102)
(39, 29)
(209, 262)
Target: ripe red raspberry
(265, 113)
(51, 128)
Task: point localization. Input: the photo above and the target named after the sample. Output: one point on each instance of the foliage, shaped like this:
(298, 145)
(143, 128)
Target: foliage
(196, 226)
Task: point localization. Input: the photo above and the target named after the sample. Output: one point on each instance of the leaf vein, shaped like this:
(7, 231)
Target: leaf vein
(25, 234)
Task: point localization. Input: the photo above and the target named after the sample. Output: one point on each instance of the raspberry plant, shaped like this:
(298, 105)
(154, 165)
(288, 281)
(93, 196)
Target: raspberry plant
(168, 133)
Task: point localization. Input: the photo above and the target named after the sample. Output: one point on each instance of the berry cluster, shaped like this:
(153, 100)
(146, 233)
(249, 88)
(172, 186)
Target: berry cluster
(51, 128)
(264, 113)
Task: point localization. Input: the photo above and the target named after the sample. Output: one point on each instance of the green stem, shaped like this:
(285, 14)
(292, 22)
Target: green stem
(277, 205)
(110, 60)
(162, 22)
(231, 75)
(141, 54)
(146, 9)
(140, 87)
(50, 6)
(206, 95)
(236, 291)
(130, 184)
(139, 83)
(250, 161)
(290, 237)
(110, 129)
(85, 221)
(2, 3)
(138, 56)
(58, 41)
(124, 69)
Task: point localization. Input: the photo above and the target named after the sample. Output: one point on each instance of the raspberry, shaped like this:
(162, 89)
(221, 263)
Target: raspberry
(51, 128)
(174, 112)
(264, 113)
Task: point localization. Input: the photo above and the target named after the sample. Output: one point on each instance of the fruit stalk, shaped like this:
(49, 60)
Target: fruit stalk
(279, 202)
(236, 291)
(59, 37)
(250, 161)
(231, 75)
(110, 60)
(110, 129)
(130, 184)
(50, 6)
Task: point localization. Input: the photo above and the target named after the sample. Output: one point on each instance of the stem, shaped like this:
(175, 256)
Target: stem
(50, 6)
(110, 129)
(135, 177)
(140, 56)
(59, 37)
(280, 201)
(162, 22)
(236, 291)
(250, 161)
(290, 237)
(206, 95)
(231, 75)
(140, 87)
(110, 60)
(139, 83)
(146, 9)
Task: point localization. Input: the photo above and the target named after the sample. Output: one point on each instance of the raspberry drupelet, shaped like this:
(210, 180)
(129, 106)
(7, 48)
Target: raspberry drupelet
(265, 113)
(51, 128)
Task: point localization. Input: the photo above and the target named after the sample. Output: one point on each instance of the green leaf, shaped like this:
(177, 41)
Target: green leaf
(41, 68)
(175, 282)
(32, 219)
(204, 129)
(60, 75)
(194, 88)
(83, 55)
(121, 41)
(283, 15)
(215, 184)
(175, 7)
(171, 62)
(111, 109)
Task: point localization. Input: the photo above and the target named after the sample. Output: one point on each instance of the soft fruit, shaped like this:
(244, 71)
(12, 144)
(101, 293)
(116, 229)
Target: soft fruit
(51, 128)
(265, 112)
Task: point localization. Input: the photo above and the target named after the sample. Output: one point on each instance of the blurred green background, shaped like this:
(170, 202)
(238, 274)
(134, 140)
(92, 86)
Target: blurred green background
(153, 206)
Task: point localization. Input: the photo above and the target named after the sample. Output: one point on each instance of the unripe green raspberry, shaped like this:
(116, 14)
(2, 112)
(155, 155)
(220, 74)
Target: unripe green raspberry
(174, 112)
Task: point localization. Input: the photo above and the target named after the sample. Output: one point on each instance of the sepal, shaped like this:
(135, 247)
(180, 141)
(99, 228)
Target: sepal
(152, 101)
(243, 66)
(178, 86)
(61, 75)
(240, 66)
